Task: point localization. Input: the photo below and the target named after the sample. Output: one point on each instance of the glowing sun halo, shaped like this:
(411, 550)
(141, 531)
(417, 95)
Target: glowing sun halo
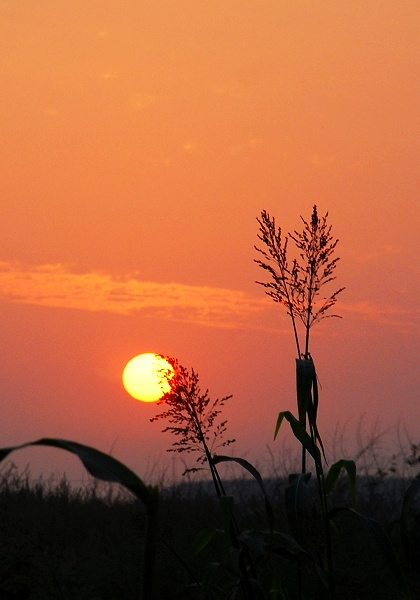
(142, 377)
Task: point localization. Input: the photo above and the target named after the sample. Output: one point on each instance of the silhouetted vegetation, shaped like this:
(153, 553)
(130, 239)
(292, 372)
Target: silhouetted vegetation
(58, 542)
(336, 535)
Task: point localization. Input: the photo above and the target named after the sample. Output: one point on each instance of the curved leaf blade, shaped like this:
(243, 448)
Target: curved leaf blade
(299, 432)
(334, 474)
(286, 545)
(296, 496)
(97, 463)
(257, 476)
(203, 539)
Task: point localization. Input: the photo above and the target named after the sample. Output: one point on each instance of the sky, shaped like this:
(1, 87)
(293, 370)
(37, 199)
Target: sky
(140, 142)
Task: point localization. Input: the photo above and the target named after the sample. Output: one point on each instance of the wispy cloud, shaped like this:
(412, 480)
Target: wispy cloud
(56, 286)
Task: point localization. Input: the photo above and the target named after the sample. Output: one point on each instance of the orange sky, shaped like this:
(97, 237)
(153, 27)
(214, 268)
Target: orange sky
(140, 141)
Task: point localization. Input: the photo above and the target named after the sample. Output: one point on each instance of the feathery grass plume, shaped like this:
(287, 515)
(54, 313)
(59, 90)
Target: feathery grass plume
(297, 284)
(192, 415)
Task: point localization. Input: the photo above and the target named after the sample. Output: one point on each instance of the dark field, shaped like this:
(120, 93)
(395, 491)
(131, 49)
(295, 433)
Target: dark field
(57, 543)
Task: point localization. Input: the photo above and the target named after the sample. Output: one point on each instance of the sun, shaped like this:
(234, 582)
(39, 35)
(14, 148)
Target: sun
(144, 377)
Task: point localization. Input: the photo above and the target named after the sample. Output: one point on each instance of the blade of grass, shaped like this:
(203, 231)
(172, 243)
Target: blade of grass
(334, 474)
(257, 476)
(203, 539)
(299, 432)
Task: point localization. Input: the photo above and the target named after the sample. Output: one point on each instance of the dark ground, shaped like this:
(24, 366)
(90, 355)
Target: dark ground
(57, 543)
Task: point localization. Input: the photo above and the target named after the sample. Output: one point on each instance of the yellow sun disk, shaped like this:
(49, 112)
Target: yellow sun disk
(143, 377)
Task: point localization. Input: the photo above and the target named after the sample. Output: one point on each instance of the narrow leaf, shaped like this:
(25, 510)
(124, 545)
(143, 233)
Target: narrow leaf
(278, 424)
(334, 474)
(257, 476)
(299, 433)
(305, 373)
(296, 496)
(286, 545)
(203, 539)
(97, 463)
(313, 411)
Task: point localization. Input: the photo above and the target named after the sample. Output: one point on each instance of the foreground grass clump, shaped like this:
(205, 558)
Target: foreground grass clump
(60, 543)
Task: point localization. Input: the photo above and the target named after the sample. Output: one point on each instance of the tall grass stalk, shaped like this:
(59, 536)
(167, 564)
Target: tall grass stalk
(193, 419)
(297, 284)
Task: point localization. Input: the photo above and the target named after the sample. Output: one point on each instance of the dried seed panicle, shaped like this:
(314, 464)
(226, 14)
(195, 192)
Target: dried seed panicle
(192, 415)
(298, 286)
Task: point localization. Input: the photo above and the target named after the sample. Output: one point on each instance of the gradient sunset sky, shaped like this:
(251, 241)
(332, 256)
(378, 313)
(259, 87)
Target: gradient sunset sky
(139, 142)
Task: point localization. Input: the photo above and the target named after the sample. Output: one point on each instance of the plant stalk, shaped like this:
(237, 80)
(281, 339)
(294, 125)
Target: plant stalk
(234, 529)
(149, 557)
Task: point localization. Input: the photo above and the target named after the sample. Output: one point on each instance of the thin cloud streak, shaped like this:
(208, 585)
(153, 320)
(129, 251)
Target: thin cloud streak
(55, 286)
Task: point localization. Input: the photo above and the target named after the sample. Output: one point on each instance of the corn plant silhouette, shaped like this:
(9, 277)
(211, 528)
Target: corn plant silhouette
(297, 284)
(193, 418)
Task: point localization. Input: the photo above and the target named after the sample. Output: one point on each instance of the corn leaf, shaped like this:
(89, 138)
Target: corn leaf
(305, 375)
(257, 476)
(296, 497)
(203, 539)
(334, 474)
(299, 432)
(285, 545)
(97, 463)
